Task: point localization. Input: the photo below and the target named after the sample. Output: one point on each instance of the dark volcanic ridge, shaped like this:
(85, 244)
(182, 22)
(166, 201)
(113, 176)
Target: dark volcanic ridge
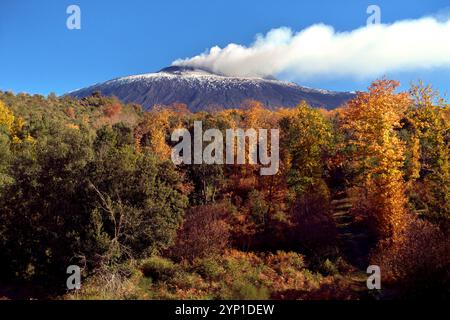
(200, 89)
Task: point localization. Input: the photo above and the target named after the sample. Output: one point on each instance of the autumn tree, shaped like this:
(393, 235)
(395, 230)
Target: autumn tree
(153, 131)
(428, 138)
(306, 140)
(6, 121)
(6, 118)
(376, 155)
(12, 125)
(11, 134)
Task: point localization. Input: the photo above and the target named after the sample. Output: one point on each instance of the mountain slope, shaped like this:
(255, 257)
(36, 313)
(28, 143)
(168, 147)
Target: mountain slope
(200, 89)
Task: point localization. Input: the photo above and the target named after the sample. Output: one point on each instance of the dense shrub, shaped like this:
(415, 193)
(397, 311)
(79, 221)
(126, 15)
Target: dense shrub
(204, 233)
(71, 203)
(329, 268)
(247, 291)
(158, 268)
(418, 264)
(43, 214)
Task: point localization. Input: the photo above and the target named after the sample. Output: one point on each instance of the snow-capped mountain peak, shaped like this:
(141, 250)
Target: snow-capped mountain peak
(200, 89)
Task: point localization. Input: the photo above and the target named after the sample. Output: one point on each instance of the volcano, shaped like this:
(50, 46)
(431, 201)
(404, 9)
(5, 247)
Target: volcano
(201, 89)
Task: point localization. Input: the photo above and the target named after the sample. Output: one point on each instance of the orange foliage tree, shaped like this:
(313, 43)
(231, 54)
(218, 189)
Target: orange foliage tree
(112, 110)
(377, 154)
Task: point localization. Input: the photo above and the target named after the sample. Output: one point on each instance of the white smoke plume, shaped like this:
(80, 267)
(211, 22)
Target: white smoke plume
(319, 50)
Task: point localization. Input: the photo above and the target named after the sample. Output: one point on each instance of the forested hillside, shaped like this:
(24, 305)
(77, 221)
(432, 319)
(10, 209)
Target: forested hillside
(90, 182)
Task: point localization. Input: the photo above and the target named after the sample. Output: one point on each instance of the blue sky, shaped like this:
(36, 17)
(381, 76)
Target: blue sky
(38, 54)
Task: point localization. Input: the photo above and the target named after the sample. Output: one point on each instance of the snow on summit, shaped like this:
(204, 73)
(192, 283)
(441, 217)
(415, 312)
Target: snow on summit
(200, 89)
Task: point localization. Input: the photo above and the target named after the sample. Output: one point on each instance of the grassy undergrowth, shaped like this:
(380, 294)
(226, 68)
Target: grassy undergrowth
(234, 275)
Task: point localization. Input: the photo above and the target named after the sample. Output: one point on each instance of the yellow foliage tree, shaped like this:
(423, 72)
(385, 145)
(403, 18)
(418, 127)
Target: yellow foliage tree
(156, 125)
(429, 128)
(13, 125)
(6, 118)
(371, 123)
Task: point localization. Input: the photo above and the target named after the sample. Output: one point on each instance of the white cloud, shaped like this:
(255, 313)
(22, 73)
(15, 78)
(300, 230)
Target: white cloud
(319, 51)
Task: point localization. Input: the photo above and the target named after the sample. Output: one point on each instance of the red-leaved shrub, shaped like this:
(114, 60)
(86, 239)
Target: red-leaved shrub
(205, 232)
